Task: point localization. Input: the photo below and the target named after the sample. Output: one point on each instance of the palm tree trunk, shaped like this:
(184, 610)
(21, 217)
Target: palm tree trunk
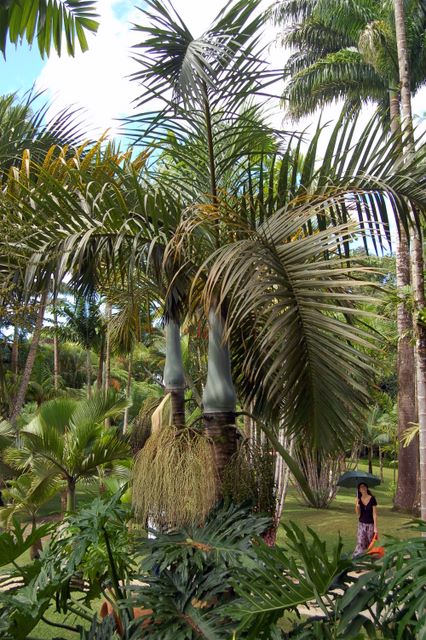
(417, 268)
(405, 495)
(99, 379)
(71, 495)
(20, 398)
(381, 463)
(107, 363)
(128, 391)
(370, 459)
(37, 546)
(174, 375)
(89, 373)
(219, 399)
(55, 349)
(14, 363)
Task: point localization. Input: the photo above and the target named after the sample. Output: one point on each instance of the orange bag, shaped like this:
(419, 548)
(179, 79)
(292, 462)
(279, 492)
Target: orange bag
(378, 552)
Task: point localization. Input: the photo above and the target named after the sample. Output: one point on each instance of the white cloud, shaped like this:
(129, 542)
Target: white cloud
(98, 80)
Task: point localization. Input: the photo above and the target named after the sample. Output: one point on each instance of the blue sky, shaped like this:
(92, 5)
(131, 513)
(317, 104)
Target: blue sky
(20, 69)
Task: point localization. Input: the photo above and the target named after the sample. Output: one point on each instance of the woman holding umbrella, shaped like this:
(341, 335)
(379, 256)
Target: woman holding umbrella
(366, 508)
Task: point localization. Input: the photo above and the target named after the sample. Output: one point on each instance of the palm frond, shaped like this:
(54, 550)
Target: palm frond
(47, 22)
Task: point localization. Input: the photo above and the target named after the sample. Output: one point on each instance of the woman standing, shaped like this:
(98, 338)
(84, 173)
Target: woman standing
(366, 508)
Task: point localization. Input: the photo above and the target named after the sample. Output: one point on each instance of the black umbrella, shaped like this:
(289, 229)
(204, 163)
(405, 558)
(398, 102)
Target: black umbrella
(351, 479)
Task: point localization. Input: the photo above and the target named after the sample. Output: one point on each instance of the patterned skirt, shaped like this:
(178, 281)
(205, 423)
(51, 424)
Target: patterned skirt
(364, 537)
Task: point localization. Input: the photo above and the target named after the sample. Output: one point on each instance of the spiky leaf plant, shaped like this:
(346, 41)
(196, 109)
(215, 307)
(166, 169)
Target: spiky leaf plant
(174, 478)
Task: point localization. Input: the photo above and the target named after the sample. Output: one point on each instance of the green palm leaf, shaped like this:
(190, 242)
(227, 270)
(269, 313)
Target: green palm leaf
(47, 21)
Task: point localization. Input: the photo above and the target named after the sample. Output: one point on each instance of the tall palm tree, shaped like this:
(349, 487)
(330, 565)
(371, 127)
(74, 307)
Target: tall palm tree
(203, 84)
(47, 22)
(66, 441)
(349, 50)
(405, 74)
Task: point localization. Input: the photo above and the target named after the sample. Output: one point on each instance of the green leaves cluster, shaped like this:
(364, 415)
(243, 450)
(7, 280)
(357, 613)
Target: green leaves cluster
(46, 21)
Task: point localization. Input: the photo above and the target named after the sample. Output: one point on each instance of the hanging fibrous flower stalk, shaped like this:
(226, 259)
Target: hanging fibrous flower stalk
(249, 477)
(174, 478)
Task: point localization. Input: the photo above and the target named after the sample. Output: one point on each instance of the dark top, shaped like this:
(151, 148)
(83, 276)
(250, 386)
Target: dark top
(366, 511)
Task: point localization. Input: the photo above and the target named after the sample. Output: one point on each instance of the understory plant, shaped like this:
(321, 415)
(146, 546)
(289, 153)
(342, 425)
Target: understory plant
(216, 581)
(88, 556)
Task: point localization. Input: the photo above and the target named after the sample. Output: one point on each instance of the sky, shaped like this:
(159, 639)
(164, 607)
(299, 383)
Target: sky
(98, 80)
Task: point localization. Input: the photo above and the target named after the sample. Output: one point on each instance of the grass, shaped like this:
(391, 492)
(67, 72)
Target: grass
(340, 517)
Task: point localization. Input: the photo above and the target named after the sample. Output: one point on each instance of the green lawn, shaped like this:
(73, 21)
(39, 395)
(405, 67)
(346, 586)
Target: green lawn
(340, 517)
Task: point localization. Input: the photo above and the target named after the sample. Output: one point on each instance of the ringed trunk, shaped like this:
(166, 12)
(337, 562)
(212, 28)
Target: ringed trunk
(14, 363)
(89, 373)
(71, 495)
(128, 391)
(219, 398)
(417, 268)
(174, 376)
(55, 348)
(405, 496)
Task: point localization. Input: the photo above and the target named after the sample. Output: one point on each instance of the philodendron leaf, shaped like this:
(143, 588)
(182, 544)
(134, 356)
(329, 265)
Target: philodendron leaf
(13, 544)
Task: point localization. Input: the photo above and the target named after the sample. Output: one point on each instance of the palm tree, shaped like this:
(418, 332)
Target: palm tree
(47, 22)
(83, 325)
(26, 495)
(349, 50)
(373, 436)
(203, 84)
(405, 75)
(267, 370)
(66, 441)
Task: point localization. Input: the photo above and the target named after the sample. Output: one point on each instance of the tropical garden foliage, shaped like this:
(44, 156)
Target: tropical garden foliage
(190, 321)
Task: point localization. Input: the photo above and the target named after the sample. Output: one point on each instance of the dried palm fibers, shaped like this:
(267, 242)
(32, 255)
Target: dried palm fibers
(174, 478)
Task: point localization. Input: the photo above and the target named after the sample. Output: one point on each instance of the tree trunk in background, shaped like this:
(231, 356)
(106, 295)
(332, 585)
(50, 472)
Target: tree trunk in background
(407, 414)
(370, 459)
(107, 363)
(407, 410)
(20, 397)
(71, 495)
(55, 349)
(14, 362)
(128, 391)
(417, 268)
(174, 376)
(219, 399)
(381, 463)
(89, 373)
(36, 547)
(99, 379)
